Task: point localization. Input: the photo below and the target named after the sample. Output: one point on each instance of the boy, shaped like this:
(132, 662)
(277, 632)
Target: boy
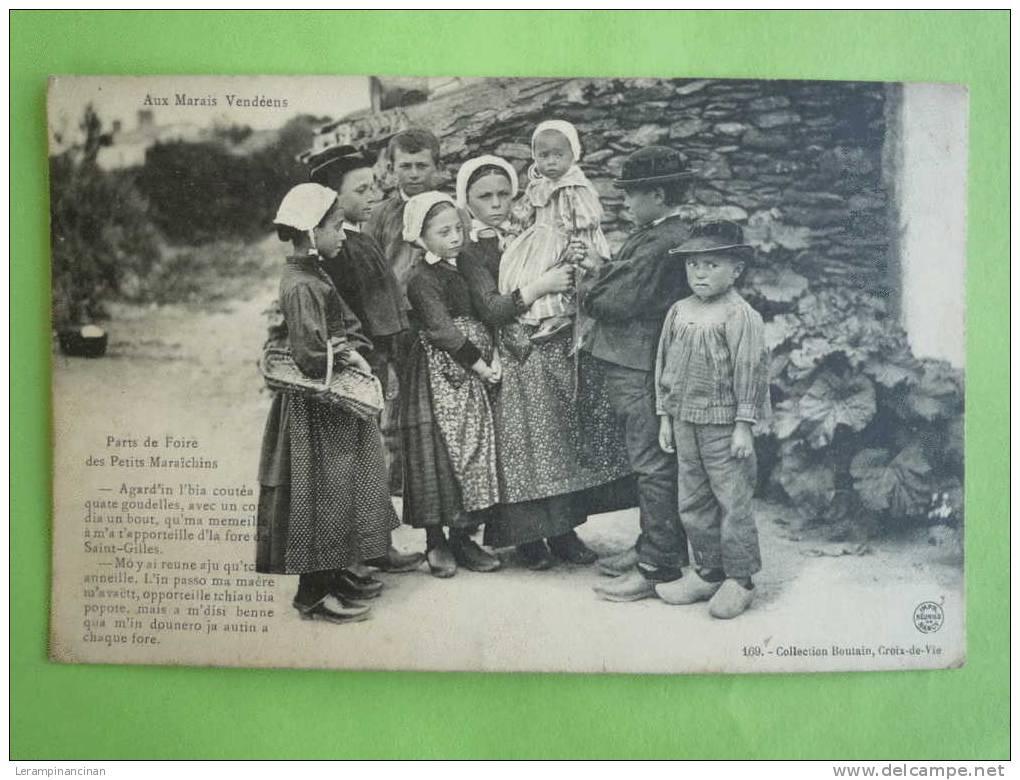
(628, 298)
(413, 156)
(711, 388)
(414, 159)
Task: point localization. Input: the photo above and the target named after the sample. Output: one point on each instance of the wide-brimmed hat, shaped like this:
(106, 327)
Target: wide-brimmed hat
(653, 165)
(335, 161)
(719, 235)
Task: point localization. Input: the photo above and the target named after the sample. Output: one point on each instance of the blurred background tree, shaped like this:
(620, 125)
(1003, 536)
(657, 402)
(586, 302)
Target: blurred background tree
(100, 226)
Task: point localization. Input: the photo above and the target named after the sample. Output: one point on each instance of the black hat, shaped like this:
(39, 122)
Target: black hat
(336, 161)
(713, 236)
(653, 165)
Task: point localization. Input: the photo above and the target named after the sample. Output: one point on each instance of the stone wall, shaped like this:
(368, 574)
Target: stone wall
(799, 163)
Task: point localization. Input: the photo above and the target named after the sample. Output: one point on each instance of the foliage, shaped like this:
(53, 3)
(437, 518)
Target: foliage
(209, 190)
(110, 228)
(860, 428)
(100, 228)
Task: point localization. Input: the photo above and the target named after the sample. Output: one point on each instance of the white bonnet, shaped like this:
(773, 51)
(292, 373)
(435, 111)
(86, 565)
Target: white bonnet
(467, 170)
(304, 206)
(415, 210)
(565, 129)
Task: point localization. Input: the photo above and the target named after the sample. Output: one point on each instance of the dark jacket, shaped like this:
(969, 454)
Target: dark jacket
(629, 296)
(386, 226)
(316, 314)
(438, 294)
(364, 280)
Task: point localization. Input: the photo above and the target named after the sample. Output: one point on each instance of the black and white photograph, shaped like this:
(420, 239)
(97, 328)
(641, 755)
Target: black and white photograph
(623, 375)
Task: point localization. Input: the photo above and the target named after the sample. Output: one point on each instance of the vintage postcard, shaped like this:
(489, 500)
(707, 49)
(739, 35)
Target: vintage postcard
(648, 375)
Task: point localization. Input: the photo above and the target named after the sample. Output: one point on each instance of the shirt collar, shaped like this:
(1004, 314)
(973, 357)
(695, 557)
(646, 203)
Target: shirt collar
(433, 259)
(480, 230)
(660, 220)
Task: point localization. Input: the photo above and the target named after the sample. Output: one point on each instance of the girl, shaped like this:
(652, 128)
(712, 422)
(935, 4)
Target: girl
(556, 465)
(323, 503)
(446, 419)
(564, 207)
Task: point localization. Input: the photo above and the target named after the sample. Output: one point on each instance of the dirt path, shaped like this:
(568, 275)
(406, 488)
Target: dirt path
(181, 370)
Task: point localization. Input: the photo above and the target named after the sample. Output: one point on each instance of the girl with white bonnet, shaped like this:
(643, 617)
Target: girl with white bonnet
(565, 217)
(447, 431)
(323, 500)
(560, 449)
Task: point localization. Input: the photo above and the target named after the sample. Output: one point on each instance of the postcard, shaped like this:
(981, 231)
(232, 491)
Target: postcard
(632, 375)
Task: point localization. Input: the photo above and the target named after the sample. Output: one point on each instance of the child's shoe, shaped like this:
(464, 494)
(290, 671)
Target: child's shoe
(442, 564)
(550, 327)
(469, 554)
(689, 589)
(632, 586)
(535, 555)
(730, 600)
(619, 564)
(569, 547)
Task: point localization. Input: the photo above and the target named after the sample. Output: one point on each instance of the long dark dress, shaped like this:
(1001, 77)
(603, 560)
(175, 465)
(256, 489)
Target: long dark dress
(446, 424)
(323, 502)
(560, 454)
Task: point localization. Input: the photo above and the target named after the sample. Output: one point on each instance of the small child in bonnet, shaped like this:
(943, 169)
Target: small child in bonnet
(567, 215)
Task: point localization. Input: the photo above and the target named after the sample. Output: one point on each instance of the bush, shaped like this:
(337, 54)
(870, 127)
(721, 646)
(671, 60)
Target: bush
(101, 234)
(203, 191)
(861, 429)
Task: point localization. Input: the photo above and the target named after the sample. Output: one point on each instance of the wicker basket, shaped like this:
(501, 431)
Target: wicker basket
(350, 388)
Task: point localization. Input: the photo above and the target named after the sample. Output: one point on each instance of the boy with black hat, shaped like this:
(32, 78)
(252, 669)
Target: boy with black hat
(628, 298)
(711, 388)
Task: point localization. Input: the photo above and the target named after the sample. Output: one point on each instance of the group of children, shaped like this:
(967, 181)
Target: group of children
(377, 283)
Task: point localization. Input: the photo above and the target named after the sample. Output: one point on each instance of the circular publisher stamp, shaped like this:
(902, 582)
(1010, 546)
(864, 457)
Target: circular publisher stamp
(928, 617)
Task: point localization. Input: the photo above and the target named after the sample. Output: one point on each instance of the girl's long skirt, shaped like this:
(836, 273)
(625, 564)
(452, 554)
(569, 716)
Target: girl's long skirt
(324, 501)
(448, 437)
(561, 450)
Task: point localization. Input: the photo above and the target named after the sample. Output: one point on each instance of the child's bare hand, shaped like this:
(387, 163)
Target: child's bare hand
(742, 443)
(576, 250)
(487, 374)
(559, 279)
(666, 435)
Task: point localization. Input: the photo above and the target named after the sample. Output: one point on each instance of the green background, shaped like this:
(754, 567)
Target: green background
(147, 712)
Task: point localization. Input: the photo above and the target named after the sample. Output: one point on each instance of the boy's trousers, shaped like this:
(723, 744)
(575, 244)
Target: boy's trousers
(715, 492)
(662, 543)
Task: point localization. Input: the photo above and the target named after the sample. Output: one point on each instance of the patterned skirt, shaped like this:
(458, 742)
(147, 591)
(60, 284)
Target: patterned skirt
(561, 449)
(335, 509)
(448, 437)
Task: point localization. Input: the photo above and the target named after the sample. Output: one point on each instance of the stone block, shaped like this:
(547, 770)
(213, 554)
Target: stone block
(692, 86)
(773, 119)
(513, 151)
(649, 134)
(756, 139)
(687, 127)
(731, 128)
(769, 103)
(714, 166)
